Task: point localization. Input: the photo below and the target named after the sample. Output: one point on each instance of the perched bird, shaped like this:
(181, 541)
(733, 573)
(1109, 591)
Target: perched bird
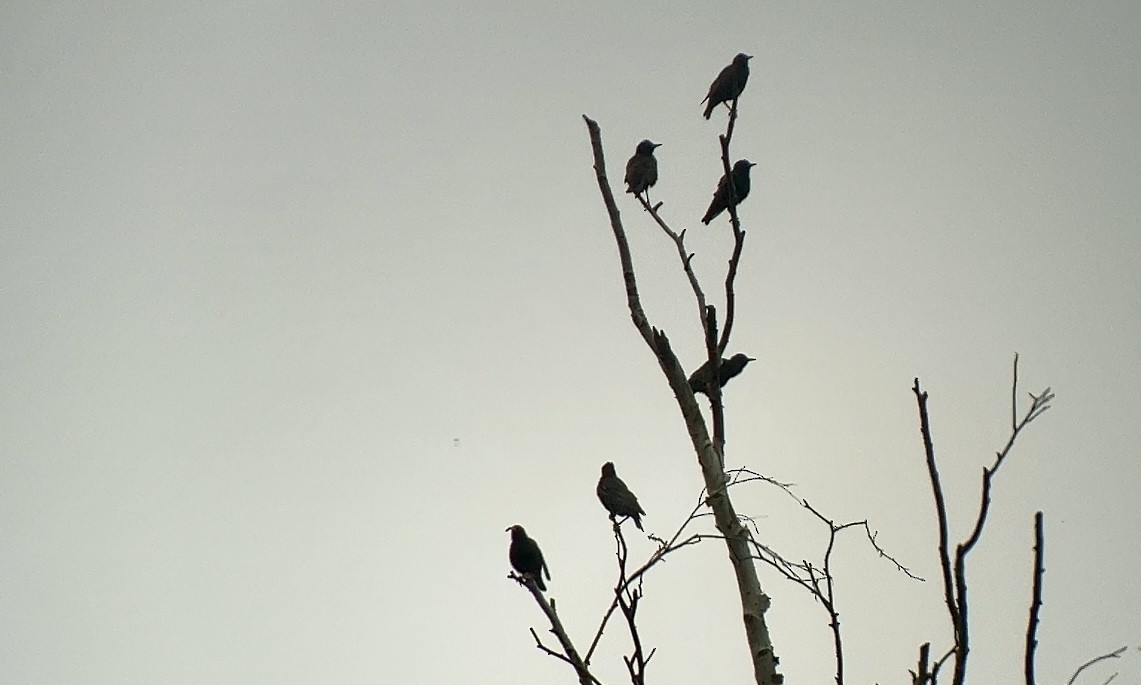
(723, 197)
(616, 497)
(699, 380)
(729, 83)
(526, 557)
(642, 169)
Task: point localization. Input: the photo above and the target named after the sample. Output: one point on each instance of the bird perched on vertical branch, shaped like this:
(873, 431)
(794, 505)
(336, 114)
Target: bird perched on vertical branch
(724, 197)
(526, 557)
(642, 169)
(616, 497)
(729, 83)
(699, 381)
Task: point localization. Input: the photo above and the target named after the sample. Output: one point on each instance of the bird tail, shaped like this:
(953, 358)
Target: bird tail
(638, 522)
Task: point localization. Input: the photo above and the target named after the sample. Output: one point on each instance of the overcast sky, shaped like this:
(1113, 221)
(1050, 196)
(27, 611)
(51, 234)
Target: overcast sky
(301, 305)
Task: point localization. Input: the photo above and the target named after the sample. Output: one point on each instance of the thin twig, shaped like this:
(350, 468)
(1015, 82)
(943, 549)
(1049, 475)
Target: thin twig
(686, 257)
(1115, 654)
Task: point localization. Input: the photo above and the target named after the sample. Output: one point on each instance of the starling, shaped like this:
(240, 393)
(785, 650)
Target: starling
(616, 497)
(526, 557)
(699, 380)
(723, 197)
(729, 83)
(642, 169)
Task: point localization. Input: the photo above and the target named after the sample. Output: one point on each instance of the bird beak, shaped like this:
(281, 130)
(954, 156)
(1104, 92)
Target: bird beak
(657, 145)
(748, 57)
(507, 529)
(752, 359)
(752, 164)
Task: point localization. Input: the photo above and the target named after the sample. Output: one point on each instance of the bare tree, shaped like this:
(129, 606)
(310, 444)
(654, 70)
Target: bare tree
(739, 533)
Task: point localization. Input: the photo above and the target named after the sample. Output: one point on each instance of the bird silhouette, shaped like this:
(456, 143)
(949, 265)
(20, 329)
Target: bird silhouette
(699, 380)
(729, 83)
(642, 169)
(526, 557)
(616, 497)
(724, 197)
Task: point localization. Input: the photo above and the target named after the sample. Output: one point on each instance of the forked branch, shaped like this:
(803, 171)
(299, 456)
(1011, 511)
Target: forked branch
(569, 654)
(754, 603)
(955, 570)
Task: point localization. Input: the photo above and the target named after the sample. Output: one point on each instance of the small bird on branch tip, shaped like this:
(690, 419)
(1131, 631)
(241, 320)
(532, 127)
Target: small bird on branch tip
(642, 169)
(729, 83)
(526, 557)
(723, 197)
(699, 381)
(616, 497)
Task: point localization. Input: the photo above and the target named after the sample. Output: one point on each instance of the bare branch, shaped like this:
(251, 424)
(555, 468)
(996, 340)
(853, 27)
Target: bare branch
(935, 668)
(956, 592)
(818, 581)
(1115, 654)
(665, 547)
(740, 476)
(569, 653)
(731, 278)
(754, 602)
(1038, 405)
(1014, 397)
(548, 650)
(632, 297)
(922, 675)
(940, 504)
(738, 233)
(628, 598)
(1036, 599)
(713, 389)
(685, 257)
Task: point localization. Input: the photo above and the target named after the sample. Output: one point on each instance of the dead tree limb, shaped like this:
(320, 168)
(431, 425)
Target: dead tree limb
(754, 602)
(627, 595)
(955, 570)
(569, 654)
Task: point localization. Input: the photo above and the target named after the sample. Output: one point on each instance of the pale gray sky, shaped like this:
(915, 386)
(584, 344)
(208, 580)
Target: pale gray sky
(261, 264)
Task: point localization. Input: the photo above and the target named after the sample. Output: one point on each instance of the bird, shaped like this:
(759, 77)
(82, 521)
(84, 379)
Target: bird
(616, 497)
(724, 197)
(642, 169)
(526, 557)
(699, 380)
(729, 83)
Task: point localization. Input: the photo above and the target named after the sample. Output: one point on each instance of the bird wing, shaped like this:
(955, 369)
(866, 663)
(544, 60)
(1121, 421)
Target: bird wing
(631, 170)
(628, 497)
